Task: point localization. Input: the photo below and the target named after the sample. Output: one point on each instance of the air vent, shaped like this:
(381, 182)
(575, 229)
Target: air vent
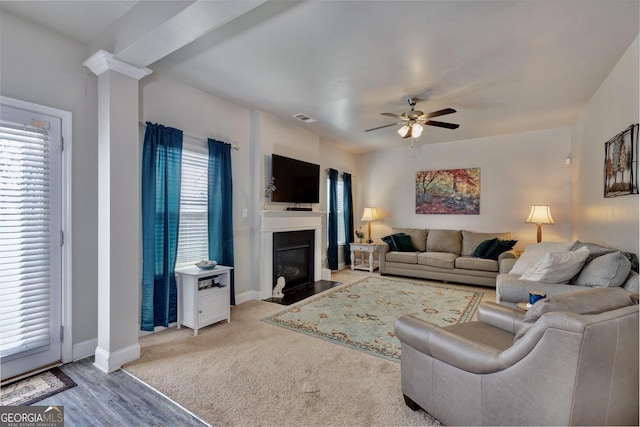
(303, 118)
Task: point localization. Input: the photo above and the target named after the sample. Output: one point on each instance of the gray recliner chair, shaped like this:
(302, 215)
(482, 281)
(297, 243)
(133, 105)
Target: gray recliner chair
(570, 360)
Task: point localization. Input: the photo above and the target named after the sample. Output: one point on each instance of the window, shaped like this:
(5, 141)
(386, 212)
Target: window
(341, 233)
(193, 243)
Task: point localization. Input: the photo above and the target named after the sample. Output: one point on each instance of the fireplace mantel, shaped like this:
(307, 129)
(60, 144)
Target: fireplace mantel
(282, 221)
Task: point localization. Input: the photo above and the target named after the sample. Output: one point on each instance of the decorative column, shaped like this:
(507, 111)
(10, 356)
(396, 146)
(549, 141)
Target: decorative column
(119, 260)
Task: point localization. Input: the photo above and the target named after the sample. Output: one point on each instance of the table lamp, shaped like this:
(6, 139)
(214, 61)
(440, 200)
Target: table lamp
(369, 215)
(540, 214)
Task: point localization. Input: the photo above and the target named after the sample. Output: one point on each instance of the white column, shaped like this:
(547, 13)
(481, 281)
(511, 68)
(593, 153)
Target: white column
(119, 260)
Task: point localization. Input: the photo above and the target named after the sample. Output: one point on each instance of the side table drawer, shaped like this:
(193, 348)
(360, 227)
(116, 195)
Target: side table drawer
(361, 247)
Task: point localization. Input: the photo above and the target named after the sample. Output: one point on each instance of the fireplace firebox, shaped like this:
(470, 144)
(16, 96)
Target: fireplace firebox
(293, 258)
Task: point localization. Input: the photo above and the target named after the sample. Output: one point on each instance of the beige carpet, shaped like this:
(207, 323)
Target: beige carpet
(249, 372)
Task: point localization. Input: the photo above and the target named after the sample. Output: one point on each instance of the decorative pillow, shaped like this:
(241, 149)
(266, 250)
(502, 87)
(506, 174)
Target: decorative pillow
(499, 247)
(400, 242)
(532, 254)
(389, 241)
(557, 267)
(484, 247)
(606, 271)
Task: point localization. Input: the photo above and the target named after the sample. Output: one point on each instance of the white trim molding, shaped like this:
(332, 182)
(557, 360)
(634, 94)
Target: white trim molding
(109, 362)
(102, 61)
(280, 221)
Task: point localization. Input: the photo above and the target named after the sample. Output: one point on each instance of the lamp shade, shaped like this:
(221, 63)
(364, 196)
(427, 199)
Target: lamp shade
(369, 214)
(416, 131)
(540, 214)
(404, 131)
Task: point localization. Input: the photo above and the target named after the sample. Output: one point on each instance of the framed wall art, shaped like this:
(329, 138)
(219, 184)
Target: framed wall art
(449, 191)
(621, 163)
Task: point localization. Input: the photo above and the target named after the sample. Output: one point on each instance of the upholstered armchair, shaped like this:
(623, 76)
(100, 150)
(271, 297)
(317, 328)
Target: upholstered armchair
(570, 360)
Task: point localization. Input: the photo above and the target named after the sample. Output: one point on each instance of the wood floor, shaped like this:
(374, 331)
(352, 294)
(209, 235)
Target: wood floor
(115, 399)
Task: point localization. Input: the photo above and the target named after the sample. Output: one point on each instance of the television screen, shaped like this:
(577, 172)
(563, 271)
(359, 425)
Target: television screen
(296, 181)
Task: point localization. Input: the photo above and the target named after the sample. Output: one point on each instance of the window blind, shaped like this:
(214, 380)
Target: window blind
(25, 272)
(341, 228)
(193, 243)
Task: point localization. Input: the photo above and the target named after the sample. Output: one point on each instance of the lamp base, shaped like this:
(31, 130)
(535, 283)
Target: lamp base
(369, 241)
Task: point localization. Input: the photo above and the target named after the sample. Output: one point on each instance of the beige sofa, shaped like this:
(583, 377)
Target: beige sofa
(444, 255)
(605, 267)
(570, 360)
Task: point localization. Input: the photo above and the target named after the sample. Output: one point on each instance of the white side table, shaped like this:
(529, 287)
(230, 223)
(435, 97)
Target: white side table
(369, 263)
(203, 296)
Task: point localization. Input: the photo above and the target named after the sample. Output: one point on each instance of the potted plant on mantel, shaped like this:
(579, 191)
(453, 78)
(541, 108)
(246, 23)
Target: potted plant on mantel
(268, 191)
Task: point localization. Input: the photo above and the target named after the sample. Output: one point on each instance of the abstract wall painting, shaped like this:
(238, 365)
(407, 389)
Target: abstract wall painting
(621, 163)
(449, 191)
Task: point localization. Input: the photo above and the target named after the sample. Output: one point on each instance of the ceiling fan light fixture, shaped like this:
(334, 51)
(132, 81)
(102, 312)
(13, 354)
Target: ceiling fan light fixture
(404, 131)
(416, 130)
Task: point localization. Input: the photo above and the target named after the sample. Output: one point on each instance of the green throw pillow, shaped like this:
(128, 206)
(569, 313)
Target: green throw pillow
(484, 247)
(499, 247)
(400, 242)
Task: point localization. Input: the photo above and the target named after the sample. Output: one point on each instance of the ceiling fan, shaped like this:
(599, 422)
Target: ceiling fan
(413, 120)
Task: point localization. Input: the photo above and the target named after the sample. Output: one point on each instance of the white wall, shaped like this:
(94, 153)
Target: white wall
(516, 171)
(168, 102)
(46, 68)
(611, 221)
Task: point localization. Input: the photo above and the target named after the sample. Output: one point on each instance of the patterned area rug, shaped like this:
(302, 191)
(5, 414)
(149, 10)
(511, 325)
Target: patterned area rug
(361, 315)
(36, 388)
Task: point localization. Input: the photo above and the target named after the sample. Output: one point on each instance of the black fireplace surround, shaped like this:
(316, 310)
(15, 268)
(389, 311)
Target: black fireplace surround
(293, 258)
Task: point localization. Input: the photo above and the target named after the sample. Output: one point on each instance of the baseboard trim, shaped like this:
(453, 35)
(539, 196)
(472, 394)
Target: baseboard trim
(84, 349)
(110, 362)
(247, 296)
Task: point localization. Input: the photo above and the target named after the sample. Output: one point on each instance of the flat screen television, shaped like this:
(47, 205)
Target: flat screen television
(296, 181)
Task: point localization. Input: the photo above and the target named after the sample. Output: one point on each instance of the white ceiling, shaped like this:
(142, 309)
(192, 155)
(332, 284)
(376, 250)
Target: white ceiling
(506, 66)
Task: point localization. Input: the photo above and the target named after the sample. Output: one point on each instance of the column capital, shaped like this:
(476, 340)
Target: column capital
(102, 61)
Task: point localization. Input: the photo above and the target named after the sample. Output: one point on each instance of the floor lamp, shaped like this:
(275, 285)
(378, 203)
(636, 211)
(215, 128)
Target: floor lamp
(369, 215)
(540, 214)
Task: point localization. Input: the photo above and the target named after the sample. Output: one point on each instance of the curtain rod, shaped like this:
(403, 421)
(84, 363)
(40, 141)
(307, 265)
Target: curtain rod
(200, 138)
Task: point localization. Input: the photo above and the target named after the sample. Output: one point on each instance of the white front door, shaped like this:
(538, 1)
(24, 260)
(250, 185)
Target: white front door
(30, 240)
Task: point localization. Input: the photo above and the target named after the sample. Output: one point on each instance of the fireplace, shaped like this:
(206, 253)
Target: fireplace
(293, 253)
(276, 222)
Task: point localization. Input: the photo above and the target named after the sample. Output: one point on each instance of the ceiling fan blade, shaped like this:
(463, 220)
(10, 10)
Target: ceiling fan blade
(442, 124)
(394, 115)
(385, 126)
(440, 113)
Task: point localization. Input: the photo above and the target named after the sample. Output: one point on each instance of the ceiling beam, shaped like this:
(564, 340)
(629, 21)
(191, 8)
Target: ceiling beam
(146, 34)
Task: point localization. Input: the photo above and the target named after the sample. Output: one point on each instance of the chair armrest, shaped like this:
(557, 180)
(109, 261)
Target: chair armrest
(505, 264)
(383, 248)
(446, 346)
(510, 254)
(500, 316)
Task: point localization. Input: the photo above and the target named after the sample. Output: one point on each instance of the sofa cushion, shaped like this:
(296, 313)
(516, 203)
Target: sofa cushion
(532, 254)
(444, 241)
(418, 237)
(499, 248)
(608, 270)
(632, 284)
(557, 267)
(589, 301)
(470, 263)
(471, 240)
(404, 257)
(437, 259)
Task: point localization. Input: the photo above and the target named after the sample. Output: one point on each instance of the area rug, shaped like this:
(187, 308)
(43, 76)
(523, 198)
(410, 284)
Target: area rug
(362, 315)
(36, 388)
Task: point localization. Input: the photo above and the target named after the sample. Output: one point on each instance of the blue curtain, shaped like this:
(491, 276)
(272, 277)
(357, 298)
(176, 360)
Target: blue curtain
(161, 168)
(332, 249)
(347, 206)
(220, 209)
